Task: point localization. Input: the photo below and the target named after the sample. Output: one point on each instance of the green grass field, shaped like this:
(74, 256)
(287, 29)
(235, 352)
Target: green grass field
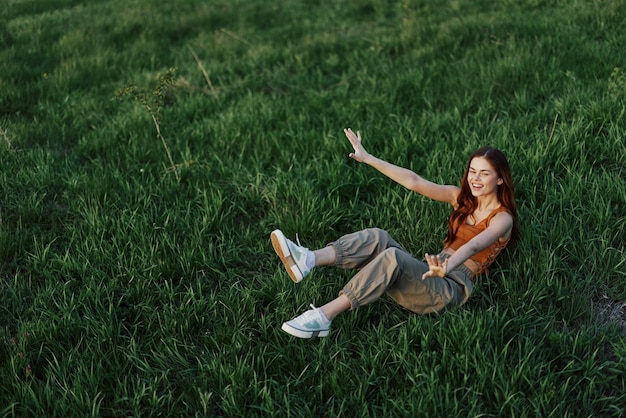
(137, 276)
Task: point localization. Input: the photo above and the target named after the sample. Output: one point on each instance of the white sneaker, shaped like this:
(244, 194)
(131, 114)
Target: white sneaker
(293, 256)
(312, 323)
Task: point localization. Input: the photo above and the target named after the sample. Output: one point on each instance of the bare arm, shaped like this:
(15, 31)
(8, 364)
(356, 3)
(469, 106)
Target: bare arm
(499, 227)
(402, 176)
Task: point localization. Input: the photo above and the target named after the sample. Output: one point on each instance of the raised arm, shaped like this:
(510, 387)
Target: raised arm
(402, 176)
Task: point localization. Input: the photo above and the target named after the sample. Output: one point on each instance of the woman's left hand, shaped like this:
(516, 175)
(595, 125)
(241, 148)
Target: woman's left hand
(437, 268)
(359, 153)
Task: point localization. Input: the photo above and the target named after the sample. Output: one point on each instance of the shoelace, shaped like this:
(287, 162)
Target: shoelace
(298, 241)
(319, 315)
(314, 314)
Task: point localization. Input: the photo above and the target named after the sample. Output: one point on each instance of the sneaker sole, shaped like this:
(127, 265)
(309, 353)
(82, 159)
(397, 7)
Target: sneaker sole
(303, 334)
(282, 250)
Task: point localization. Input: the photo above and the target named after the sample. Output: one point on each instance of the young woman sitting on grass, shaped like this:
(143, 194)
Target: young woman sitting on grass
(483, 222)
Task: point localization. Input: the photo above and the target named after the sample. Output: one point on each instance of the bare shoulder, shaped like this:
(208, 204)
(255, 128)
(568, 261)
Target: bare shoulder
(502, 222)
(453, 192)
(502, 217)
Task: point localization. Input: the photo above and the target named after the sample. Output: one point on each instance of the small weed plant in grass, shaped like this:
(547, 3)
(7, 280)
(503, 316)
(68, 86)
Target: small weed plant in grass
(153, 103)
(125, 291)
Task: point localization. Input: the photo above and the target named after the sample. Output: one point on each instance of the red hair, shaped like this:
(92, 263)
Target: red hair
(467, 203)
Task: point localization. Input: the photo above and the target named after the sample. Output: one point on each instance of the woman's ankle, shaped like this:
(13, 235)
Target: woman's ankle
(336, 306)
(325, 256)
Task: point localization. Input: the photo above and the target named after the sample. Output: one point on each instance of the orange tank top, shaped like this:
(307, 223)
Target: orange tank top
(466, 232)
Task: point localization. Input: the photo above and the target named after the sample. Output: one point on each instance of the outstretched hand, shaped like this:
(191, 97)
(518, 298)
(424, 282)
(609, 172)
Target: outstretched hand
(436, 267)
(359, 153)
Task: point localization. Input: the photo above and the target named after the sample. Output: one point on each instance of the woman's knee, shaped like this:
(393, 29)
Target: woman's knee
(391, 257)
(401, 262)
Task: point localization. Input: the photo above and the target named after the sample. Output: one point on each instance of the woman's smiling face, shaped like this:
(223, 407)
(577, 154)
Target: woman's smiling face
(482, 177)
